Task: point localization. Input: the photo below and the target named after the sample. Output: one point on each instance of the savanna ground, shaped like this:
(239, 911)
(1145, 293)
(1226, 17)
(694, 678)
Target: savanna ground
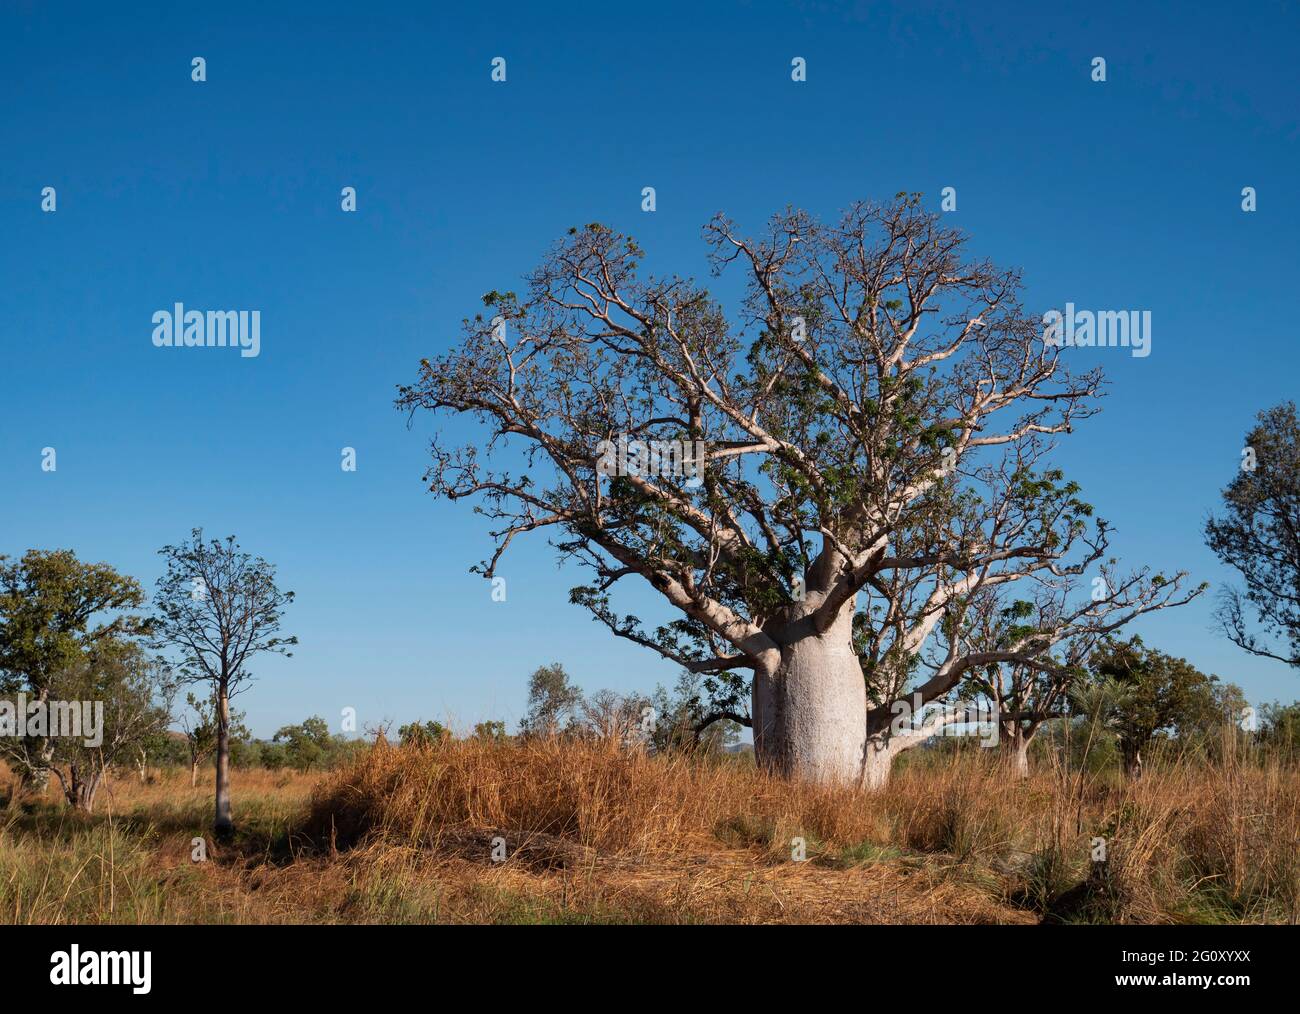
(597, 835)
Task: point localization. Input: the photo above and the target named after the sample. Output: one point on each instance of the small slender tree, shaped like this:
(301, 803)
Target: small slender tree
(308, 744)
(200, 733)
(216, 608)
(1023, 695)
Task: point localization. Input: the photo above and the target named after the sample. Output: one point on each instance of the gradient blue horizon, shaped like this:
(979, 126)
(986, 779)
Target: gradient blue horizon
(225, 194)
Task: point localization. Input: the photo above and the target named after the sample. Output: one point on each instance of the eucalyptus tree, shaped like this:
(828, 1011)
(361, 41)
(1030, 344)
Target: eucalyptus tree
(553, 702)
(1157, 694)
(129, 692)
(816, 485)
(54, 609)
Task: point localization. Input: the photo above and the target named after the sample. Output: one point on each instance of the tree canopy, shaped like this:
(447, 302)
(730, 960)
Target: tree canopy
(870, 434)
(1259, 535)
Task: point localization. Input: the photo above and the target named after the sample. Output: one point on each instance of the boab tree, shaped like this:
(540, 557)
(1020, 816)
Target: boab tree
(818, 489)
(216, 609)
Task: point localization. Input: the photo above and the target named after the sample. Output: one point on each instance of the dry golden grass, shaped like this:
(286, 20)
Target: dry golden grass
(592, 795)
(594, 834)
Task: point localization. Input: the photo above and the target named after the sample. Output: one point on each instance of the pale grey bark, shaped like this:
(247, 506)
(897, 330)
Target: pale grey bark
(811, 716)
(1015, 751)
(1133, 763)
(1013, 743)
(223, 825)
(83, 787)
(820, 706)
(878, 760)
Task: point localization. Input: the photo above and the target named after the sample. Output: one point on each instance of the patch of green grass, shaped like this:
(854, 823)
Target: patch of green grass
(90, 873)
(866, 853)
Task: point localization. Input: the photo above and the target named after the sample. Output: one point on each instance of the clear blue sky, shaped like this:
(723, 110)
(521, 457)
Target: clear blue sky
(226, 194)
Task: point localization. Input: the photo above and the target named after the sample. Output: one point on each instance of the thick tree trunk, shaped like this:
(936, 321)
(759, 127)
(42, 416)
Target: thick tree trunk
(194, 773)
(223, 826)
(878, 759)
(1014, 746)
(810, 714)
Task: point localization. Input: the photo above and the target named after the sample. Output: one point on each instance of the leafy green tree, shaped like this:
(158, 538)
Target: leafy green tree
(345, 751)
(1279, 728)
(1259, 536)
(423, 733)
(200, 733)
(49, 604)
(216, 609)
(1148, 692)
(129, 693)
(693, 715)
(245, 751)
(272, 756)
(309, 745)
(162, 748)
(553, 702)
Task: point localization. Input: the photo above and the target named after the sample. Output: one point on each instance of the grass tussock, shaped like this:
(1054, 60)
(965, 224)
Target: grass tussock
(594, 796)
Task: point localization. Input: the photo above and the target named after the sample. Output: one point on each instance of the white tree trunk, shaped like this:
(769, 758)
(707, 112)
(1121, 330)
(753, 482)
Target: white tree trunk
(1133, 763)
(82, 791)
(879, 759)
(1014, 745)
(1020, 758)
(810, 715)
